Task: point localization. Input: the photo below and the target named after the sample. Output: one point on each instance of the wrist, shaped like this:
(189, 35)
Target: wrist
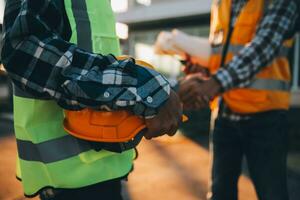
(215, 87)
(225, 78)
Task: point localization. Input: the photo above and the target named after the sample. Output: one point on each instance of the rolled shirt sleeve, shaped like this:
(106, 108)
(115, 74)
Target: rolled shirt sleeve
(40, 60)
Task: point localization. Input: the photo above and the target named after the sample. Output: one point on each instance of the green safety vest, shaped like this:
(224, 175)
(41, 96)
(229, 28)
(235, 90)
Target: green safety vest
(48, 155)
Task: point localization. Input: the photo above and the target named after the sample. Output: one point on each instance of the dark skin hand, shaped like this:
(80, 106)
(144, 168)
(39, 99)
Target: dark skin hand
(196, 91)
(167, 120)
(192, 68)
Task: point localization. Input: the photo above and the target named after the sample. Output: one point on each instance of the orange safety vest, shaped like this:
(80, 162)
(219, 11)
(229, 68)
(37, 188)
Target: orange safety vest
(270, 88)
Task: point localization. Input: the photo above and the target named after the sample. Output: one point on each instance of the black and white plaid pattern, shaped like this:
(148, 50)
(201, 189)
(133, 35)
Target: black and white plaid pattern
(236, 8)
(40, 60)
(279, 19)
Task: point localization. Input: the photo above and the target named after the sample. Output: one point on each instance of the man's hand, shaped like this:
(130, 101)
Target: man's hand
(196, 91)
(167, 120)
(191, 68)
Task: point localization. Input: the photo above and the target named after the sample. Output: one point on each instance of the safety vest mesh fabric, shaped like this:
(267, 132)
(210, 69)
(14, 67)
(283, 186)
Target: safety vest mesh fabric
(270, 88)
(49, 156)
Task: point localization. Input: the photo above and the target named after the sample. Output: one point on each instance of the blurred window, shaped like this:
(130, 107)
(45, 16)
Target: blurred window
(122, 30)
(151, 2)
(2, 6)
(119, 6)
(144, 2)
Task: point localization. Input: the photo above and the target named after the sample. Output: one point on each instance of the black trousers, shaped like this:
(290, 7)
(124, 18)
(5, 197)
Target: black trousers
(263, 141)
(109, 190)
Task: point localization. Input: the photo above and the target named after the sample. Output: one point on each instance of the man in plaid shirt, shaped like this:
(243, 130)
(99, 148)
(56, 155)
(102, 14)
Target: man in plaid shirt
(261, 137)
(42, 62)
(56, 69)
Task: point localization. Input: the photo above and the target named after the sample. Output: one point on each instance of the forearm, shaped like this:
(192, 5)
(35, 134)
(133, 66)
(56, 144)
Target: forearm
(261, 51)
(44, 64)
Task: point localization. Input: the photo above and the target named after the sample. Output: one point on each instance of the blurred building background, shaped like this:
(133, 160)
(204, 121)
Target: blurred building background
(139, 23)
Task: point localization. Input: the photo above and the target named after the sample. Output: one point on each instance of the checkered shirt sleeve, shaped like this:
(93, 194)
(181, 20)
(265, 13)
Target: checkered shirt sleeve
(40, 60)
(278, 21)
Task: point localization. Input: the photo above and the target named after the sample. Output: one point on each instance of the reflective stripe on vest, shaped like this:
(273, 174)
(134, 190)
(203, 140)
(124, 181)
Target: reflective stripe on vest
(235, 49)
(269, 84)
(48, 156)
(53, 150)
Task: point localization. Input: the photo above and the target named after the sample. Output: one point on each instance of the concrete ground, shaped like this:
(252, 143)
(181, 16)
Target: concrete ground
(175, 168)
(166, 169)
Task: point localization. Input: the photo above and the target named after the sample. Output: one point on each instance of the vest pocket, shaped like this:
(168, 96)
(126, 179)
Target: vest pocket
(247, 95)
(92, 156)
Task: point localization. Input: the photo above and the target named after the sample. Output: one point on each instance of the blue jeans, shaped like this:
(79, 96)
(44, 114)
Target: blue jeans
(263, 141)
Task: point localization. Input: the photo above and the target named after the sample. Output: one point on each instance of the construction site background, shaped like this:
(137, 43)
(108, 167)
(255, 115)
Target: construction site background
(167, 168)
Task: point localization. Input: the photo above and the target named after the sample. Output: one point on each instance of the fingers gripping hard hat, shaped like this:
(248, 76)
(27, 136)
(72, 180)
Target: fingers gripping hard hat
(111, 128)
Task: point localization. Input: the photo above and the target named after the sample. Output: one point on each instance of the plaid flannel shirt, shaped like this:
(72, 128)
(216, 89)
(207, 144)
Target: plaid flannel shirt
(40, 60)
(278, 20)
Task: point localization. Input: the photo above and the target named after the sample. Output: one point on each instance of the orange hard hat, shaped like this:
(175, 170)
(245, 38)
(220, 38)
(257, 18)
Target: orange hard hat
(105, 126)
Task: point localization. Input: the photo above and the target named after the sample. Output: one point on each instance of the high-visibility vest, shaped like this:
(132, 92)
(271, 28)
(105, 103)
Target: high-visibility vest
(270, 88)
(48, 155)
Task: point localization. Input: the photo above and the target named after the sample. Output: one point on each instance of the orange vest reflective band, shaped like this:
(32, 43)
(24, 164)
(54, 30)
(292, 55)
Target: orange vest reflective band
(270, 87)
(104, 126)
